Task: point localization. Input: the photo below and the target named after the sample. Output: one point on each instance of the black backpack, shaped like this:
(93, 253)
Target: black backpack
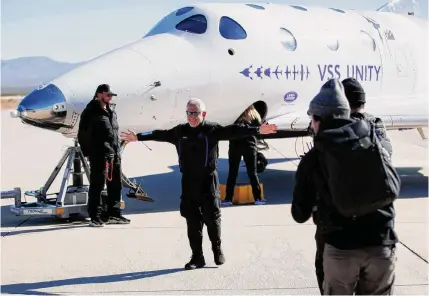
(360, 174)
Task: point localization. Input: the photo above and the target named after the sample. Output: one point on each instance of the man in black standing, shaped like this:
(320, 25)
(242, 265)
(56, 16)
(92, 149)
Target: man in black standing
(356, 96)
(355, 254)
(99, 140)
(197, 147)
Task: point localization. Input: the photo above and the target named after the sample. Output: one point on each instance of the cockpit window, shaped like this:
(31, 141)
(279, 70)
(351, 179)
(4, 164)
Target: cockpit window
(164, 25)
(194, 24)
(230, 29)
(183, 10)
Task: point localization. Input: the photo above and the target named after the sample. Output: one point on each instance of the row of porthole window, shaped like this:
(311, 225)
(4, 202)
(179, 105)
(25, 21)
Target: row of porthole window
(289, 41)
(189, 8)
(230, 29)
(294, 6)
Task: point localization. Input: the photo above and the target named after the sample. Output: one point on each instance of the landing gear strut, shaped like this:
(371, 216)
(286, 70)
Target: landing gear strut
(135, 191)
(422, 133)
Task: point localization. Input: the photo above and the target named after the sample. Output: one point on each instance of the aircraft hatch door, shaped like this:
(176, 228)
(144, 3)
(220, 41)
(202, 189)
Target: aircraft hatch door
(405, 69)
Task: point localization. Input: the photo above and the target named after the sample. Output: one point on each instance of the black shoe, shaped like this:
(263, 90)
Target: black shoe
(119, 220)
(105, 217)
(197, 261)
(96, 222)
(219, 257)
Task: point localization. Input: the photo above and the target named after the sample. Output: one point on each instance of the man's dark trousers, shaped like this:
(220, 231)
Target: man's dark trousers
(320, 246)
(200, 210)
(364, 271)
(96, 186)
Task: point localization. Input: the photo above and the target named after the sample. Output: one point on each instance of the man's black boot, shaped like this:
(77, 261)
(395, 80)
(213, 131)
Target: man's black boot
(197, 261)
(219, 257)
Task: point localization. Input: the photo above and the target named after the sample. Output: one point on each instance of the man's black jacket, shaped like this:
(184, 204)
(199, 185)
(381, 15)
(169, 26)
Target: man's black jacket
(198, 151)
(311, 190)
(102, 137)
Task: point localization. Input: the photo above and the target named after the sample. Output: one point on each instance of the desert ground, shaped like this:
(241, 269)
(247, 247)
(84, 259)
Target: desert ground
(9, 102)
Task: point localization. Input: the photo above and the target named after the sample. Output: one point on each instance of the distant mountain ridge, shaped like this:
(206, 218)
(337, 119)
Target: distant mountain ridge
(19, 76)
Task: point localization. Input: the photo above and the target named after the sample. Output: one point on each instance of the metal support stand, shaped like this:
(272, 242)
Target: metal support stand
(70, 199)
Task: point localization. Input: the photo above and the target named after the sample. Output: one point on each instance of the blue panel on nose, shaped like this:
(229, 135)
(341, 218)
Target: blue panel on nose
(44, 107)
(42, 99)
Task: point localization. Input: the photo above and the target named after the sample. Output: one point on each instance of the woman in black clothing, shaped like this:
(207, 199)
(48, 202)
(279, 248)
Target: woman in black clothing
(246, 147)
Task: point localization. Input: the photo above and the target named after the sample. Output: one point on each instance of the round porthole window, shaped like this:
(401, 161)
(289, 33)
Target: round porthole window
(367, 40)
(331, 41)
(287, 39)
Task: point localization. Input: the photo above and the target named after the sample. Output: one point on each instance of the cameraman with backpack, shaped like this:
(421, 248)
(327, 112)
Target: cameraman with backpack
(99, 140)
(355, 95)
(349, 177)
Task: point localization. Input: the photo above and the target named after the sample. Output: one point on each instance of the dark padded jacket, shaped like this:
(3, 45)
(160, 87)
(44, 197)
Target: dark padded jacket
(101, 139)
(311, 190)
(198, 152)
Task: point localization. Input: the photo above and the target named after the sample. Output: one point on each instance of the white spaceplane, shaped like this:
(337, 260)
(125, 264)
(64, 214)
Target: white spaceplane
(232, 55)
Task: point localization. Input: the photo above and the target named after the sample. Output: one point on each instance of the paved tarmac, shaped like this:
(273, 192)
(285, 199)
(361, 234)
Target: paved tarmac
(266, 251)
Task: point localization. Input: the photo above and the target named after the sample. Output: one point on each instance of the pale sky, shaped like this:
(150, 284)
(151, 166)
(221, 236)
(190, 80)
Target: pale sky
(78, 30)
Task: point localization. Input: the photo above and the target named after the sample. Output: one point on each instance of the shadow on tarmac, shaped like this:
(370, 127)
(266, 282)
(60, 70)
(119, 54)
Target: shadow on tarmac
(165, 189)
(31, 288)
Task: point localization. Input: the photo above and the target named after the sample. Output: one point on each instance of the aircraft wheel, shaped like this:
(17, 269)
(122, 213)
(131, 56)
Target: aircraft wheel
(261, 162)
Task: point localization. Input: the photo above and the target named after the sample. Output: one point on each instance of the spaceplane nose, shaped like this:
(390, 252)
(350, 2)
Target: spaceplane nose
(44, 107)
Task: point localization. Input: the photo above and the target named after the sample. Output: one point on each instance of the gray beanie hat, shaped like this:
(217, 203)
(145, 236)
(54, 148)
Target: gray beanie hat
(330, 101)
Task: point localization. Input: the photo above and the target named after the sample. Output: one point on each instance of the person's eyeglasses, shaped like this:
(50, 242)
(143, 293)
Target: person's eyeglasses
(193, 113)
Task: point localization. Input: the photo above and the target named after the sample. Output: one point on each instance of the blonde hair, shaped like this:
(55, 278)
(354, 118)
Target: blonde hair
(251, 114)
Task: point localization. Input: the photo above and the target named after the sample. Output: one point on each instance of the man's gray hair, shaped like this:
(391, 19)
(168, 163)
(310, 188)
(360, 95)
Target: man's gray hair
(197, 102)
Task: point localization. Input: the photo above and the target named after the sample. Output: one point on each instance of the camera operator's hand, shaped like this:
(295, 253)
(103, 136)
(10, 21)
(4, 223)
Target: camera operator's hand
(129, 136)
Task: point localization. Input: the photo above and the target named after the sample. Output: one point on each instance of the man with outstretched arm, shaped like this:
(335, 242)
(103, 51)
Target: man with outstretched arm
(197, 146)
